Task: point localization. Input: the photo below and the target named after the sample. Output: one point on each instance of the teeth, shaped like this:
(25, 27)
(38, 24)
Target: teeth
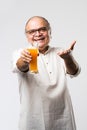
(40, 39)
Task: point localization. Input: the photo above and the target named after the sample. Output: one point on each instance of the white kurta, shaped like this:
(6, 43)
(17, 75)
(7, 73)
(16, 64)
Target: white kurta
(44, 97)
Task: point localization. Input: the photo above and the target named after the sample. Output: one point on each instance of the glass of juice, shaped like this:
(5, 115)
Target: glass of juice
(33, 63)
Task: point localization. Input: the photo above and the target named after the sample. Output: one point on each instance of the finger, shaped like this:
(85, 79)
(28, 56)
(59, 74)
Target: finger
(72, 45)
(26, 59)
(61, 52)
(25, 53)
(26, 56)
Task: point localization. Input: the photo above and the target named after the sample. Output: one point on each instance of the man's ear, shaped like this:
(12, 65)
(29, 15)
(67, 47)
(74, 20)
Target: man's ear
(50, 33)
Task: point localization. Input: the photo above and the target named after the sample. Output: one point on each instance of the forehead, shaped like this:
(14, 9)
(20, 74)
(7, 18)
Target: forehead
(36, 23)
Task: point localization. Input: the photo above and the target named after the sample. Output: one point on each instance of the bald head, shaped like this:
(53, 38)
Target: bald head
(44, 20)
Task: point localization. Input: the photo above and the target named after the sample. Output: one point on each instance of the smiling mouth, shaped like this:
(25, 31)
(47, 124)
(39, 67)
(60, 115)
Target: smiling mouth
(40, 39)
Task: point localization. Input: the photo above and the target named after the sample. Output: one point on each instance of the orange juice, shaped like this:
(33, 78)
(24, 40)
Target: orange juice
(33, 63)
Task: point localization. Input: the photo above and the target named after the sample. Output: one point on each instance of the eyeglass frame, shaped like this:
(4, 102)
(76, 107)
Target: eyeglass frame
(40, 30)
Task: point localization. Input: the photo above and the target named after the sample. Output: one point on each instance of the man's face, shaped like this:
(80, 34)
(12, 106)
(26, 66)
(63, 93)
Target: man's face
(38, 31)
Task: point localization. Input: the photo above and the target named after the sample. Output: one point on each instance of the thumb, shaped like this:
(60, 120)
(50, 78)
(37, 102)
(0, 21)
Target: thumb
(72, 45)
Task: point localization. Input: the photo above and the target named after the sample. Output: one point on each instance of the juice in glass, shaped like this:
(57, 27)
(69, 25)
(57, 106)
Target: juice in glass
(33, 63)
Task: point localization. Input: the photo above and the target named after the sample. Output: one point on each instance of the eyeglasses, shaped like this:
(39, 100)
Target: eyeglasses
(40, 30)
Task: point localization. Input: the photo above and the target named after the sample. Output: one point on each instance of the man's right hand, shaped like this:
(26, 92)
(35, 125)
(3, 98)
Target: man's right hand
(26, 56)
(24, 60)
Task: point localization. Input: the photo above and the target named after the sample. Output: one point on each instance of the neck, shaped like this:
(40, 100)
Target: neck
(43, 50)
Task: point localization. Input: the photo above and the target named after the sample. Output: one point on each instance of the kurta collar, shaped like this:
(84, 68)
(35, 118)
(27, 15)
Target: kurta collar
(49, 48)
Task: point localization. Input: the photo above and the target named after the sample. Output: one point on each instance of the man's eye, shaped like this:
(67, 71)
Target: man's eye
(43, 29)
(32, 31)
(40, 30)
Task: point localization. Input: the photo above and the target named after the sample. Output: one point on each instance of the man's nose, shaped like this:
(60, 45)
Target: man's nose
(37, 33)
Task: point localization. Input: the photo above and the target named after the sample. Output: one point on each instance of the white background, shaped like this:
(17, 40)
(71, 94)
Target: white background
(68, 19)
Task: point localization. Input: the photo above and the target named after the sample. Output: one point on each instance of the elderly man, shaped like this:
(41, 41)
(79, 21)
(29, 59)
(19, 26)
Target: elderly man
(44, 97)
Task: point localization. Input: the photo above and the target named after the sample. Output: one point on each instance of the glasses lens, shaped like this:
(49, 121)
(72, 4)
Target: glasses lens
(43, 29)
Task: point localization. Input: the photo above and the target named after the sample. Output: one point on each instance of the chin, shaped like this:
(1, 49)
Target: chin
(41, 47)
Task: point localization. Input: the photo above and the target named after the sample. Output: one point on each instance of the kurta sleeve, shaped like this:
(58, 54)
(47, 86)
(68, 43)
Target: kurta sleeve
(15, 56)
(78, 72)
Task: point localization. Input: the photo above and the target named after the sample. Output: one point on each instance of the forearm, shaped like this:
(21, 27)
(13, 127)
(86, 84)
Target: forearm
(22, 65)
(71, 65)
